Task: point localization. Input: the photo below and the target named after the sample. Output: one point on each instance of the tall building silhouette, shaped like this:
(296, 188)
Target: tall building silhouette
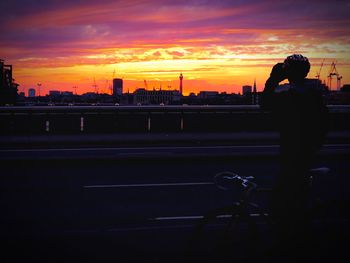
(255, 94)
(8, 88)
(181, 79)
(117, 87)
(254, 87)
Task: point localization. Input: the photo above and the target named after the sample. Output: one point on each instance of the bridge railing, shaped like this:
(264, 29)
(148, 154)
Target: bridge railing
(144, 119)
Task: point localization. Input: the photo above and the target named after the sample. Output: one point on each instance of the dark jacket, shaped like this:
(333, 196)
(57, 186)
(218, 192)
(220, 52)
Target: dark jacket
(300, 115)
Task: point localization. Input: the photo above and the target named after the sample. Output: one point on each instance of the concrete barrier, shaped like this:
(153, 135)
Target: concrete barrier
(149, 119)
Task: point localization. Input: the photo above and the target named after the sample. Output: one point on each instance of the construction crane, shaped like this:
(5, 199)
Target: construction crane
(39, 88)
(339, 82)
(111, 86)
(95, 86)
(318, 74)
(334, 73)
(105, 88)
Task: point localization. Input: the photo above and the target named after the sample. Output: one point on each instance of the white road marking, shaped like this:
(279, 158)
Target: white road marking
(176, 218)
(164, 218)
(144, 148)
(233, 147)
(146, 185)
(125, 229)
(152, 228)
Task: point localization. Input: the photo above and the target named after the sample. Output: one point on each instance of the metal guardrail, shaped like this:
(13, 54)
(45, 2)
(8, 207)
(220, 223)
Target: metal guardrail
(142, 108)
(120, 119)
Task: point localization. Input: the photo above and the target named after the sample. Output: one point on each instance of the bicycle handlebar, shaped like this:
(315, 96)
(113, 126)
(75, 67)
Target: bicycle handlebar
(223, 179)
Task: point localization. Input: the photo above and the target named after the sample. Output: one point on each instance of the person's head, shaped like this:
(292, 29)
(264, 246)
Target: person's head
(296, 67)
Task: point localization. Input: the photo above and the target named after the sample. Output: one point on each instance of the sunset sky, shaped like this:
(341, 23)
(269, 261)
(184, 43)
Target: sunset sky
(217, 45)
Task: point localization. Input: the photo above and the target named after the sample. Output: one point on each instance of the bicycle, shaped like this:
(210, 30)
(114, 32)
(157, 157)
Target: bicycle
(234, 233)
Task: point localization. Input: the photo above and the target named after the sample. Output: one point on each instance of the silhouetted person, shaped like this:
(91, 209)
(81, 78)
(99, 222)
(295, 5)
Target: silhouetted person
(301, 118)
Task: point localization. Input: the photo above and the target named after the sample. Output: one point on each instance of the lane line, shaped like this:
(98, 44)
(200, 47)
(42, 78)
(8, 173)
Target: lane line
(139, 228)
(146, 185)
(145, 148)
(165, 218)
(152, 228)
(272, 146)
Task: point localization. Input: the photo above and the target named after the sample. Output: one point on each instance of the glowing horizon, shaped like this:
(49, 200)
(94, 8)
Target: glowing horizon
(218, 46)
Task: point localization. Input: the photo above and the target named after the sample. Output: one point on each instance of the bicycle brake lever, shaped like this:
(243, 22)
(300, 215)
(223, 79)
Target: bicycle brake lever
(244, 180)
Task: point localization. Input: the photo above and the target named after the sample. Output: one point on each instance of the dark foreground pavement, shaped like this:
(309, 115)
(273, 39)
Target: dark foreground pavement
(167, 244)
(144, 209)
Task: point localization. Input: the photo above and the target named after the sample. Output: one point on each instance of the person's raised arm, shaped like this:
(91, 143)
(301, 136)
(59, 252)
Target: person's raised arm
(277, 75)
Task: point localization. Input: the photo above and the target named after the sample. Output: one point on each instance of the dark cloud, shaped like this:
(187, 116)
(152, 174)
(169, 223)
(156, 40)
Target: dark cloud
(49, 28)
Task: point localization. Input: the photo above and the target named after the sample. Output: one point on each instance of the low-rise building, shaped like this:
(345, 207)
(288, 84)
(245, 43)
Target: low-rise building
(143, 96)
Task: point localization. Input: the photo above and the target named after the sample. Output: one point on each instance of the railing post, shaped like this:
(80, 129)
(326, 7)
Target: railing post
(47, 126)
(81, 123)
(149, 123)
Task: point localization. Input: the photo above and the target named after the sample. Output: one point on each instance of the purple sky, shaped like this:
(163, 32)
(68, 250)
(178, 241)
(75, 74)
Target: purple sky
(50, 34)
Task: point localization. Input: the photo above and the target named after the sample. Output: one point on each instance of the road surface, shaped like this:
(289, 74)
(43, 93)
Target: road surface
(66, 205)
